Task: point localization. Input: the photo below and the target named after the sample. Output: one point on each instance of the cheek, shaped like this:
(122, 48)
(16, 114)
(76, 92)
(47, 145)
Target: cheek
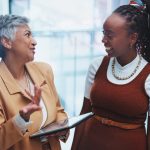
(120, 45)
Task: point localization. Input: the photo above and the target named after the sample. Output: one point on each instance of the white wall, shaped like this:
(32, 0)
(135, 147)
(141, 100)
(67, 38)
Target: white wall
(4, 7)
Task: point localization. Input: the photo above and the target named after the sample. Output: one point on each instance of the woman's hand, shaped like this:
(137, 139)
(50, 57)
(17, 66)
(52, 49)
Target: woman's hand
(27, 110)
(61, 133)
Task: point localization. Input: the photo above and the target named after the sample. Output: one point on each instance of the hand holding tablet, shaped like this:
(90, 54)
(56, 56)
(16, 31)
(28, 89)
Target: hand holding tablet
(62, 125)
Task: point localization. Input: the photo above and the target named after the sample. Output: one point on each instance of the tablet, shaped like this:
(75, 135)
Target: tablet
(62, 125)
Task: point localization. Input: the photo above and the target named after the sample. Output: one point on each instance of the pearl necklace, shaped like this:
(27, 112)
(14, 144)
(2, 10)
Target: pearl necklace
(125, 78)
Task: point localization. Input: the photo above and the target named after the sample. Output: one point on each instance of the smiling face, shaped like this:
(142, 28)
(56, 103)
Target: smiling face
(23, 45)
(117, 39)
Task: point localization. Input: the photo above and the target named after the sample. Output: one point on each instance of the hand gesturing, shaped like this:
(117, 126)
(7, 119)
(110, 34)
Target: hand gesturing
(27, 110)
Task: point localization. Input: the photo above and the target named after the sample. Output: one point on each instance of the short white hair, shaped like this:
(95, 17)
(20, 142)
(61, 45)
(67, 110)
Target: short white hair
(9, 24)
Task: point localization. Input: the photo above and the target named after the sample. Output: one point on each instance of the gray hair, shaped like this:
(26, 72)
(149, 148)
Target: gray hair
(9, 24)
(8, 28)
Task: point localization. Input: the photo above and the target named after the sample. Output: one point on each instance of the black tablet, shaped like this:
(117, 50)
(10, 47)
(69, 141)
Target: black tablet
(62, 125)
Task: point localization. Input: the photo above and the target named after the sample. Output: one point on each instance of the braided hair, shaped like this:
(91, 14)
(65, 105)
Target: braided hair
(137, 22)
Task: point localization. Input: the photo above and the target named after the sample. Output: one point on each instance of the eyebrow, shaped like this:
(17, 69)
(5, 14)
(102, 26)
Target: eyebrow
(108, 31)
(27, 30)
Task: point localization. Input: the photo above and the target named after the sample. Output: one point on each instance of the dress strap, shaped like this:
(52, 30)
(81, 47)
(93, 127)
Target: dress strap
(104, 65)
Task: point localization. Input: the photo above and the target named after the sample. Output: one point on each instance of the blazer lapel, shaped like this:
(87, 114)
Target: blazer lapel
(37, 78)
(9, 81)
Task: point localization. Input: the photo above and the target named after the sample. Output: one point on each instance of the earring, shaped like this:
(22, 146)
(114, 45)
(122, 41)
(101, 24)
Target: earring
(131, 45)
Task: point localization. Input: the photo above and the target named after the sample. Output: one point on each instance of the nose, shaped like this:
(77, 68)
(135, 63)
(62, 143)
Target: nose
(34, 42)
(104, 39)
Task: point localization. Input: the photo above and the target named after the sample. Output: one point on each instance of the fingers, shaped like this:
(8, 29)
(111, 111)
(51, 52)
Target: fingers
(24, 114)
(29, 94)
(61, 133)
(37, 95)
(26, 111)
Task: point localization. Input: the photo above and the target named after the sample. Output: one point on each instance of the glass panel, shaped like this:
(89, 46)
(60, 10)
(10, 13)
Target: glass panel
(69, 36)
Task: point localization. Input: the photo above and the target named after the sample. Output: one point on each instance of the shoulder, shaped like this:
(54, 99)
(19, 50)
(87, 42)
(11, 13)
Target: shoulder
(145, 67)
(40, 65)
(93, 67)
(91, 75)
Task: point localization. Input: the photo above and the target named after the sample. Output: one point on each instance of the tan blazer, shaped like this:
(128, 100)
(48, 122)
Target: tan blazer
(12, 99)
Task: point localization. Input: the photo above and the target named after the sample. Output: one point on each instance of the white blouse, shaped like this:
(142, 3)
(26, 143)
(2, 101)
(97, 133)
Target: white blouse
(121, 71)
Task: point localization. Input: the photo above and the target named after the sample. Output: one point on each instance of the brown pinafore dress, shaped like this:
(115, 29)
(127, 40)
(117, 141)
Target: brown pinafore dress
(126, 103)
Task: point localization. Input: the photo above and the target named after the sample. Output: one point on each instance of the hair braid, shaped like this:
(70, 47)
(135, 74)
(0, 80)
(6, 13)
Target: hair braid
(137, 21)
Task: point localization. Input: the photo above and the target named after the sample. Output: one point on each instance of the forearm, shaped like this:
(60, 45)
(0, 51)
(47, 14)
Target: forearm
(148, 138)
(80, 128)
(148, 133)
(21, 124)
(15, 127)
(8, 130)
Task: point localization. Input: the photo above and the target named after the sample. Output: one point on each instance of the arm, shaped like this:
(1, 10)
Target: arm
(80, 128)
(147, 89)
(61, 114)
(79, 131)
(7, 129)
(16, 126)
(148, 132)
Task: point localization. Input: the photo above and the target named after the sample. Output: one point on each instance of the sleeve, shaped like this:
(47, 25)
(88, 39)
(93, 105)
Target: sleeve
(21, 123)
(61, 114)
(147, 89)
(91, 75)
(7, 130)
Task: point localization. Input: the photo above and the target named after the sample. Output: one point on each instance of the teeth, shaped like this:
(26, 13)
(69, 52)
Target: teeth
(108, 49)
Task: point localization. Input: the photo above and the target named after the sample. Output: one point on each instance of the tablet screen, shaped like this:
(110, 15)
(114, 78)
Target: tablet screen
(62, 125)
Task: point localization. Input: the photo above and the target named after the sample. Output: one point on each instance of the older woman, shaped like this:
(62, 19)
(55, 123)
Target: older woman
(25, 88)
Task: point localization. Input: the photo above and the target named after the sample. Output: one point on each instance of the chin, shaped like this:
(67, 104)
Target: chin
(110, 55)
(30, 59)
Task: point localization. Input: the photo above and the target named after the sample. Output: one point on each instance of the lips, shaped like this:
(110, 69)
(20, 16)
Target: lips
(108, 49)
(33, 50)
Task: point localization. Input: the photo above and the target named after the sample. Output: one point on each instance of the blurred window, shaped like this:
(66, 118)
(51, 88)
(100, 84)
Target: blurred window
(69, 34)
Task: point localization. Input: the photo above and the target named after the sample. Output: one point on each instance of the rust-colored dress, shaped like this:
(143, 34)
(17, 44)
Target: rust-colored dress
(126, 103)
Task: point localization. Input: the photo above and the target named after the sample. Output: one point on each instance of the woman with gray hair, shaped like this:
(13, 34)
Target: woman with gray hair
(25, 88)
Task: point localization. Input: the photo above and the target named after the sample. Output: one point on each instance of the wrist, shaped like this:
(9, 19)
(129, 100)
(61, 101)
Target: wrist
(24, 116)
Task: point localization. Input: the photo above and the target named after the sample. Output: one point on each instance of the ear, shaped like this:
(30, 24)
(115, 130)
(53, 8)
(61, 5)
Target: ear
(133, 38)
(6, 43)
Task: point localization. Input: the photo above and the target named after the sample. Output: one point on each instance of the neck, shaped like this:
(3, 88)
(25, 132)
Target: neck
(16, 69)
(123, 60)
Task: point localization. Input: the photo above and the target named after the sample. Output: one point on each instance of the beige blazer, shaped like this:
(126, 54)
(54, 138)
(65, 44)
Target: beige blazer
(12, 99)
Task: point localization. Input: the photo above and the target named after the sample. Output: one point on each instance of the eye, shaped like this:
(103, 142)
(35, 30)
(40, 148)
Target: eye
(108, 34)
(104, 32)
(28, 34)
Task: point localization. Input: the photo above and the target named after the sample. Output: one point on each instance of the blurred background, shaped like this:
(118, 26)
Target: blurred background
(68, 33)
